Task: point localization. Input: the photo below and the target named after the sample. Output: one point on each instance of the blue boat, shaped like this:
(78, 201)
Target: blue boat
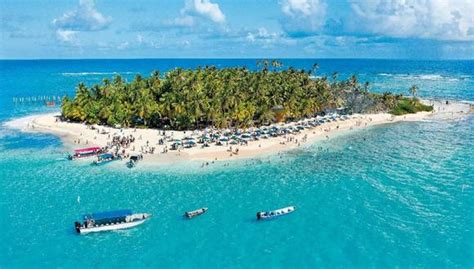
(106, 158)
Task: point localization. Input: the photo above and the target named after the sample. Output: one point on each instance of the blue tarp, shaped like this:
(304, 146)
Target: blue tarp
(108, 214)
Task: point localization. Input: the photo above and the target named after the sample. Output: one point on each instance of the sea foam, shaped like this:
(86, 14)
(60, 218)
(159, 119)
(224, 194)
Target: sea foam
(80, 74)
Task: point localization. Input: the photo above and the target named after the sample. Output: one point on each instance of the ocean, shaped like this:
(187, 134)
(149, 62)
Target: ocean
(390, 196)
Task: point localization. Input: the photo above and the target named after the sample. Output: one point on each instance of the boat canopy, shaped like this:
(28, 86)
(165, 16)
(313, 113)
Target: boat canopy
(106, 156)
(108, 215)
(87, 150)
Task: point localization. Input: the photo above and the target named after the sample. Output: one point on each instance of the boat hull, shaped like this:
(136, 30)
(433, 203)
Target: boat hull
(103, 228)
(264, 215)
(104, 162)
(195, 213)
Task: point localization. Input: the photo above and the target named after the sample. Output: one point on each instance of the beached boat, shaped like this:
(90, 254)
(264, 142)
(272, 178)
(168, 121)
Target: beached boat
(111, 220)
(84, 153)
(134, 160)
(106, 158)
(275, 213)
(194, 213)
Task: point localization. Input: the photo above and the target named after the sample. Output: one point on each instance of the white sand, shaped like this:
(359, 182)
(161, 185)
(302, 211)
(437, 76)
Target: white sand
(76, 135)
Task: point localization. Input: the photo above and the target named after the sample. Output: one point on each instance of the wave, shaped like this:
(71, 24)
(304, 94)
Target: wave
(19, 123)
(80, 74)
(431, 77)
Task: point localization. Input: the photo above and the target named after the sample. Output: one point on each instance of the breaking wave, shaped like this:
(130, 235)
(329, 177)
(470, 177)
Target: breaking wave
(81, 74)
(430, 77)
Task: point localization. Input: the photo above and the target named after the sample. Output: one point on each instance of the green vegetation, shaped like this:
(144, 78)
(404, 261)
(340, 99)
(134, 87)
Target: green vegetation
(228, 97)
(407, 106)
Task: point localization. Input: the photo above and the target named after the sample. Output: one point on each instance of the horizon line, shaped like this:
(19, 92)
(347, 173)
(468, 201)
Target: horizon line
(233, 58)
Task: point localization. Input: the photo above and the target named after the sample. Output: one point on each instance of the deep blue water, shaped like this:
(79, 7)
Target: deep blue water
(398, 195)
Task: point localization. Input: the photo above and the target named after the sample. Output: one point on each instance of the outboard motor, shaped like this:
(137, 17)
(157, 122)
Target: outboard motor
(77, 224)
(259, 215)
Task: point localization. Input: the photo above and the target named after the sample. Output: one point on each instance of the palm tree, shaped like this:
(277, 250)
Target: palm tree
(225, 97)
(413, 90)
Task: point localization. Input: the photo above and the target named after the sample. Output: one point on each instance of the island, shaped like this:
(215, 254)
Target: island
(211, 114)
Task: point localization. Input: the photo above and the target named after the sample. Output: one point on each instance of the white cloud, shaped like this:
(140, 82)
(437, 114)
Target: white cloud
(146, 42)
(196, 12)
(434, 19)
(262, 34)
(250, 37)
(84, 18)
(183, 21)
(123, 45)
(205, 9)
(303, 17)
(67, 36)
(268, 40)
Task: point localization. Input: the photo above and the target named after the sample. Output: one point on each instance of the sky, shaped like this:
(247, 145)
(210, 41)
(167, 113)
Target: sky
(390, 29)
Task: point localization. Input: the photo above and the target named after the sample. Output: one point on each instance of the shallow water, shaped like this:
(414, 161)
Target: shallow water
(399, 195)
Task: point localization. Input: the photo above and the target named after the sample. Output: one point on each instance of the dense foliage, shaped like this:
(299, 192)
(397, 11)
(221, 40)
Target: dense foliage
(239, 97)
(407, 106)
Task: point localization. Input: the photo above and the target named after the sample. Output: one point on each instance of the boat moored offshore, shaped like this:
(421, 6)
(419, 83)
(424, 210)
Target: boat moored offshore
(85, 152)
(109, 221)
(194, 213)
(275, 213)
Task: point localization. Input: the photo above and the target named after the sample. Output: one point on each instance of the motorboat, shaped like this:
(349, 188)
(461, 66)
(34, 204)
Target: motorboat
(85, 153)
(106, 158)
(275, 213)
(109, 221)
(132, 162)
(194, 213)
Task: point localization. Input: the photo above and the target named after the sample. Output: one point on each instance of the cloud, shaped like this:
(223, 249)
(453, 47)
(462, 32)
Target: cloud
(204, 9)
(303, 17)
(123, 45)
(146, 42)
(84, 18)
(262, 34)
(67, 36)
(194, 9)
(434, 19)
(183, 21)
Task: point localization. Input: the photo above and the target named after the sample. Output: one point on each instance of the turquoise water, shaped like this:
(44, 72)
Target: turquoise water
(399, 195)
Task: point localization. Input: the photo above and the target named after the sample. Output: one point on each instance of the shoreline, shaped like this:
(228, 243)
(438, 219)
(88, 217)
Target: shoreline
(78, 135)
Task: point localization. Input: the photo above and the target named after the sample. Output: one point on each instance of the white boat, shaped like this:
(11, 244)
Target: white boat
(194, 213)
(109, 221)
(275, 213)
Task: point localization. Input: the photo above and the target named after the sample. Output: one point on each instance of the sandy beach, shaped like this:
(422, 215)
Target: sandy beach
(77, 135)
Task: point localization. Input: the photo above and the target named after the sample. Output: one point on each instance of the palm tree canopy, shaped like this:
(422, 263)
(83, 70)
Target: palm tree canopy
(227, 97)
